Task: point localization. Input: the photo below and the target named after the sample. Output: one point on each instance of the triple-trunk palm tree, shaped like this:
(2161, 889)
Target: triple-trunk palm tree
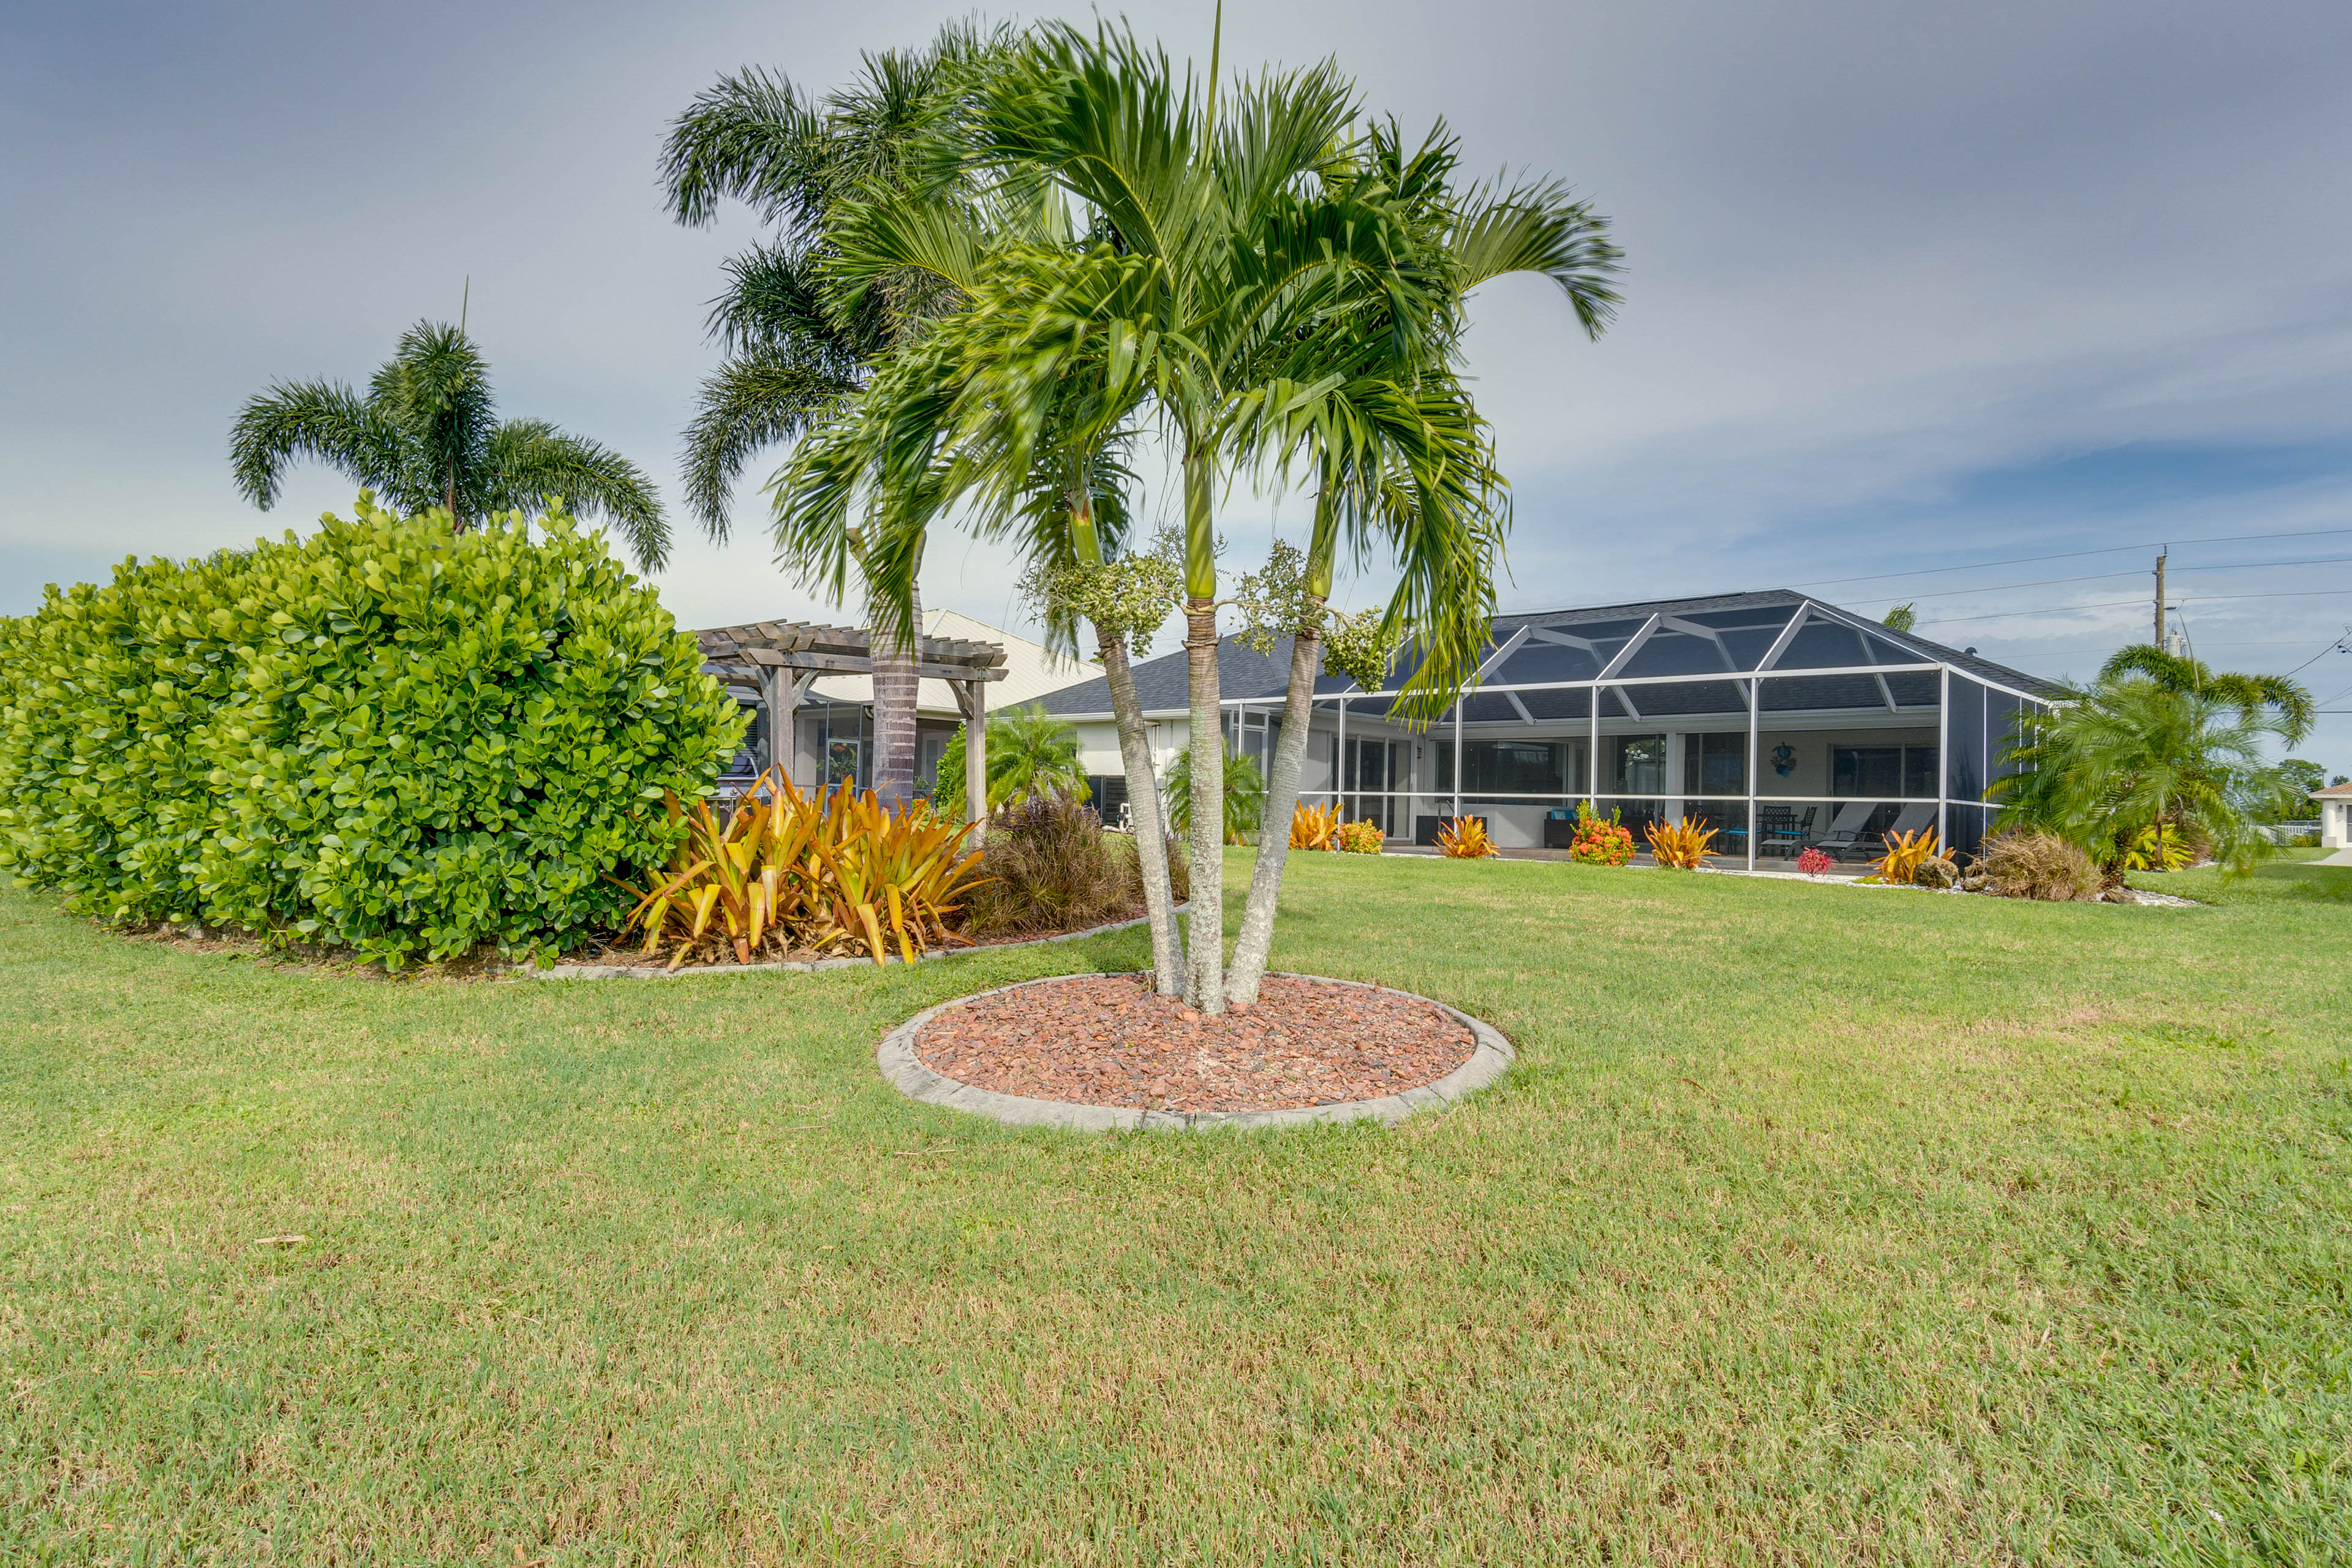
(427, 433)
(1267, 289)
(797, 343)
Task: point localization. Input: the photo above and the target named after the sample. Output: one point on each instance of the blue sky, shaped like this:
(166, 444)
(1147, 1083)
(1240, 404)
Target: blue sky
(1908, 288)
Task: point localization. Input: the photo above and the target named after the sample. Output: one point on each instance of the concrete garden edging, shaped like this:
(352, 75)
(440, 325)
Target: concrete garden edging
(907, 1074)
(809, 966)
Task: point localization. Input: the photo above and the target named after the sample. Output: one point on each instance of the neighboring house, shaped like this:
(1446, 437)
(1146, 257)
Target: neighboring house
(2335, 816)
(834, 721)
(1816, 726)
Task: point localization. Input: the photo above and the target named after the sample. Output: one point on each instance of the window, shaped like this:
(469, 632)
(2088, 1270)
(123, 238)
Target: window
(1715, 764)
(1641, 764)
(1882, 772)
(1507, 767)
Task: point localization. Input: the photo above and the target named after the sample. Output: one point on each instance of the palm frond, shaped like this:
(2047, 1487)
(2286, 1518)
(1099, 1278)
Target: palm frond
(753, 137)
(531, 461)
(328, 422)
(754, 400)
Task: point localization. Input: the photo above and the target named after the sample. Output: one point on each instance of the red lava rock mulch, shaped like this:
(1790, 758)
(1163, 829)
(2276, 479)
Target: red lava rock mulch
(1107, 1040)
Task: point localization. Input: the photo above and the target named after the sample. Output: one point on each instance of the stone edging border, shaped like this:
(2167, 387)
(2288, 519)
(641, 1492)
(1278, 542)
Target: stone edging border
(809, 966)
(907, 1074)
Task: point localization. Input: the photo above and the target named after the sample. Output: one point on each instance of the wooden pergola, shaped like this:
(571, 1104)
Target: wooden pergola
(782, 657)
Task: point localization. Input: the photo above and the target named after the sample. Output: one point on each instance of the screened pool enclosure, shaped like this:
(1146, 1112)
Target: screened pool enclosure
(1784, 722)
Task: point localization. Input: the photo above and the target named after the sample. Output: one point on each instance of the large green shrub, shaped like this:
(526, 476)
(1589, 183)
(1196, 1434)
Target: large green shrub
(386, 737)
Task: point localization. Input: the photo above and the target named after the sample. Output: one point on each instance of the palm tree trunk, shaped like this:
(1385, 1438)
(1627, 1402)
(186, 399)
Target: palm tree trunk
(1204, 942)
(1256, 937)
(897, 688)
(1143, 804)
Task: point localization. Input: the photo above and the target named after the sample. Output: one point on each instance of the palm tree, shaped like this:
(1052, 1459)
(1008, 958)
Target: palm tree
(427, 434)
(2252, 695)
(1225, 291)
(1388, 452)
(2129, 753)
(797, 343)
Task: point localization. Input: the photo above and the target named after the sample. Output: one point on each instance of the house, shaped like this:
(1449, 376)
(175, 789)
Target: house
(831, 717)
(2335, 816)
(1772, 710)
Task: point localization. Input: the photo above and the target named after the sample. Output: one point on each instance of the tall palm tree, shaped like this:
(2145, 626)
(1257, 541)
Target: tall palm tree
(1227, 292)
(1387, 451)
(427, 433)
(796, 341)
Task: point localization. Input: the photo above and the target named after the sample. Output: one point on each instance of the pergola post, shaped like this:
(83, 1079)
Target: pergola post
(782, 695)
(972, 696)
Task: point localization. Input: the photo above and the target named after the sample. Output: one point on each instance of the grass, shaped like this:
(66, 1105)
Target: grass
(1815, 1224)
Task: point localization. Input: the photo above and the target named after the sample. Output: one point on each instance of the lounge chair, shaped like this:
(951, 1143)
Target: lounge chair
(1851, 836)
(1847, 836)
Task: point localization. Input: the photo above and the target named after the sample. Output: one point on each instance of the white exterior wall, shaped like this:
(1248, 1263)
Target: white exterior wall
(2335, 824)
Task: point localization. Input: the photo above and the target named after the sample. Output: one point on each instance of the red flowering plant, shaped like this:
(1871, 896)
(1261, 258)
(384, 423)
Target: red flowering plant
(1600, 842)
(1813, 863)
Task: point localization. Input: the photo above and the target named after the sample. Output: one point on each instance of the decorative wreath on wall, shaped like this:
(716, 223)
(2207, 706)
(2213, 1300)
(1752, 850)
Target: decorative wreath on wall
(1784, 759)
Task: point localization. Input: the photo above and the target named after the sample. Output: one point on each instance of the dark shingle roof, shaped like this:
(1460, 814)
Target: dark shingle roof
(1161, 682)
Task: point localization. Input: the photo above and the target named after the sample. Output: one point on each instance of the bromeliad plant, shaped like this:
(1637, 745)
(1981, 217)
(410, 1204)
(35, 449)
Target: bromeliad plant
(784, 872)
(1465, 838)
(1906, 853)
(1315, 826)
(1680, 845)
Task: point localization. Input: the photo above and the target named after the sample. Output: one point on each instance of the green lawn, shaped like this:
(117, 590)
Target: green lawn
(1814, 1224)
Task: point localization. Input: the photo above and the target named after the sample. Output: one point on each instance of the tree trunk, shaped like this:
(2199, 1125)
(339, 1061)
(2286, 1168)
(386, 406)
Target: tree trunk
(895, 689)
(1204, 942)
(1256, 937)
(1143, 803)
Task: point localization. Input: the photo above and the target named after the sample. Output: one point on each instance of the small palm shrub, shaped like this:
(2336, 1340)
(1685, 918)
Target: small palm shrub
(1681, 844)
(1906, 853)
(2160, 847)
(1601, 841)
(1358, 838)
(1314, 827)
(2034, 863)
(1048, 865)
(785, 872)
(1245, 795)
(1029, 752)
(1464, 838)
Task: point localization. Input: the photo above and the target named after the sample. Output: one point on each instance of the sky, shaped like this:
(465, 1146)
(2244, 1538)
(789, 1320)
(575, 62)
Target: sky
(1973, 306)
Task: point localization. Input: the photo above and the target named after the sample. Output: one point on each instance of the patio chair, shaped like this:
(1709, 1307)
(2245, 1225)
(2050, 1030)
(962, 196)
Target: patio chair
(1779, 828)
(1849, 835)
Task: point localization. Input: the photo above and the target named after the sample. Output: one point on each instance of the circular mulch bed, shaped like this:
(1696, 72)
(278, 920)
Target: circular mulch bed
(1105, 1042)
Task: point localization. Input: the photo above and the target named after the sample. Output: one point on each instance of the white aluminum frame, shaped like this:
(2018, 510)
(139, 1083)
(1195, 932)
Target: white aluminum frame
(1749, 682)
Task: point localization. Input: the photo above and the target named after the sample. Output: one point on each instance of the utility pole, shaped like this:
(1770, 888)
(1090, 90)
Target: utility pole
(2160, 594)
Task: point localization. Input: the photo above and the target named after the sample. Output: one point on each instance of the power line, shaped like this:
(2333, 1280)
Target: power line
(2109, 604)
(2070, 555)
(2106, 577)
(2340, 645)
